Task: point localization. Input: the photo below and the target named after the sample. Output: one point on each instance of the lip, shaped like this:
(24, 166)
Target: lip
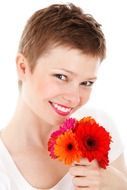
(60, 112)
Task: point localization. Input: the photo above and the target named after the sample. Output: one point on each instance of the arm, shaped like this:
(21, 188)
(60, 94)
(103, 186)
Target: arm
(88, 176)
(115, 176)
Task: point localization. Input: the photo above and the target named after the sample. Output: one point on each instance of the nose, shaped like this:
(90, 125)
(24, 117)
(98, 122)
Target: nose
(72, 97)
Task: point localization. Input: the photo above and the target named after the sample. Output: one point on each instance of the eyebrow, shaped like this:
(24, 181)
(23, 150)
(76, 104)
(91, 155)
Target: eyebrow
(72, 73)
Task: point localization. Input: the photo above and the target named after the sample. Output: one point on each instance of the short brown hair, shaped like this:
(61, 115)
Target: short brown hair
(61, 24)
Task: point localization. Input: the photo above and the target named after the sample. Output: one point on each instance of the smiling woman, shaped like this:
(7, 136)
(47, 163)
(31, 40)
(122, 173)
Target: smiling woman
(51, 83)
(57, 63)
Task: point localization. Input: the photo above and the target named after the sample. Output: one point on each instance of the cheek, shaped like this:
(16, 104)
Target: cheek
(47, 89)
(86, 96)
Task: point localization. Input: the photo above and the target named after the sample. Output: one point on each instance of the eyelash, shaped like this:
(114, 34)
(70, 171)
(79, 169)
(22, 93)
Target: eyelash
(59, 76)
(85, 84)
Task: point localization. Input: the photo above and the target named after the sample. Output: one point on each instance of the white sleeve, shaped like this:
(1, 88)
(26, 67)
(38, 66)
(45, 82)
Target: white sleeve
(106, 121)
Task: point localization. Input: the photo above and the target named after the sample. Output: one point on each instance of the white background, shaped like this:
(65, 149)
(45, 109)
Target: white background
(109, 93)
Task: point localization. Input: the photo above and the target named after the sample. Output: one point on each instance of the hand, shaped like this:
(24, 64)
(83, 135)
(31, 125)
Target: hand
(86, 175)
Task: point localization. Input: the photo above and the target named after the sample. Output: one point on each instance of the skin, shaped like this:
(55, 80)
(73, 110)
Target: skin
(42, 86)
(27, 133)
(86, 175)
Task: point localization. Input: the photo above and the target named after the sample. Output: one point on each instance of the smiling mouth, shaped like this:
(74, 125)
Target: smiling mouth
(60, 109)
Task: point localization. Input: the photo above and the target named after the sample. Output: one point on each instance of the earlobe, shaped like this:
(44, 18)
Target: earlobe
(21, 65)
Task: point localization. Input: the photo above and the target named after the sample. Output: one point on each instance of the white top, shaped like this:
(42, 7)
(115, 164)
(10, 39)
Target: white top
(12, 179)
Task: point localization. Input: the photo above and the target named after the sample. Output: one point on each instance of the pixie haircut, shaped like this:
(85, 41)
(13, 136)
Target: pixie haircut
(61, 25)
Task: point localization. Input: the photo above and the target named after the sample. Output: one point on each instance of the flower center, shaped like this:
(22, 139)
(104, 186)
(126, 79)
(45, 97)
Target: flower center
(90, 143)
(69, 146)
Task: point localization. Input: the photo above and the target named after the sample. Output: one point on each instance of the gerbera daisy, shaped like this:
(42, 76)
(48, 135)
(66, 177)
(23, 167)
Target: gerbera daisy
(93, 140)
(104, 161)
(69, 124)
(52, 142)
(87, 119)
(66, 148)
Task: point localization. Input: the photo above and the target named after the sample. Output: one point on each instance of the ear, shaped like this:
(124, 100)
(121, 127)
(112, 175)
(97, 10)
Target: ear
(22, 66)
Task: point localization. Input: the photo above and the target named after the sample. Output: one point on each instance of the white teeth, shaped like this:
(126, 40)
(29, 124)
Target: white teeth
(62, 108)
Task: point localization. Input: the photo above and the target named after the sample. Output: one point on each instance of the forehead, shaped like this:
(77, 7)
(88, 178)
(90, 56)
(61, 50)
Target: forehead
(66, 58)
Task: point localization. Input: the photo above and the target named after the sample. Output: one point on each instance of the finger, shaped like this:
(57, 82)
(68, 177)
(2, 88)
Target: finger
(85, 162)
(86, 188)
(83, 171)
(84, 182)
(82, 188)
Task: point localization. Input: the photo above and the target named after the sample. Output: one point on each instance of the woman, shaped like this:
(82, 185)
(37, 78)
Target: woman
(59, 54)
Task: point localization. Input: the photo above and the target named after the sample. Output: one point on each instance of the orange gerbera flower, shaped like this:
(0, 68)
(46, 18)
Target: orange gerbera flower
(66, 148)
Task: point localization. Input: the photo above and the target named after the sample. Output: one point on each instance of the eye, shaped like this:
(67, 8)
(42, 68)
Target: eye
(87, 83)
(61, 76)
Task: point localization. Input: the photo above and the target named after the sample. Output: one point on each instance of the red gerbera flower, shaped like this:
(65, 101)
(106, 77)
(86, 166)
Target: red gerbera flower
(104, 161)
(93, 139)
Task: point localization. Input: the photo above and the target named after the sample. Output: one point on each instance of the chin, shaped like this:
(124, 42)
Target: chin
(59, 121)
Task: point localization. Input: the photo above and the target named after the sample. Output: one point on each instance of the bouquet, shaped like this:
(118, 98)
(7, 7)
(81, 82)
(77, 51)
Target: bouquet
(80, 139)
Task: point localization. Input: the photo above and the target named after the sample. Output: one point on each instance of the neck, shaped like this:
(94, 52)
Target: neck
(27, 128)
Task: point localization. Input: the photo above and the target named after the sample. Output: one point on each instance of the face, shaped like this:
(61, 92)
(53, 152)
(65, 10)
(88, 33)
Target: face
(60, 84)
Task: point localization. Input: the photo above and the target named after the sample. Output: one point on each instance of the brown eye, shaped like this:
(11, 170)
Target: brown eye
(87, 83)
(61, 77)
